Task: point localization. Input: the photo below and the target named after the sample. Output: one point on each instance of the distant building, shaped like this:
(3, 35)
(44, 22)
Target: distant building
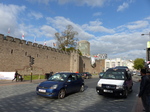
(100, 56)
(110, 63)
(84, 47)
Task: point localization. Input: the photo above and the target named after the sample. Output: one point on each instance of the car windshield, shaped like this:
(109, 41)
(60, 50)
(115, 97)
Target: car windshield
(58, 77)
(114, 75)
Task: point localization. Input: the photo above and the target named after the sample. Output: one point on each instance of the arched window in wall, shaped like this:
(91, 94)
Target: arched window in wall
(12, 51)
(25, 53)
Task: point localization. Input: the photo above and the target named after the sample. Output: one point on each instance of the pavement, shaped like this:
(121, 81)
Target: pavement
(138, 107)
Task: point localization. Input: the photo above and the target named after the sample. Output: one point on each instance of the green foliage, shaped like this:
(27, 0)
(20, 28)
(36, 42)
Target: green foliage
(34, 77)
(72, 49)
(67, 41)
(138, 63)
(67, 38)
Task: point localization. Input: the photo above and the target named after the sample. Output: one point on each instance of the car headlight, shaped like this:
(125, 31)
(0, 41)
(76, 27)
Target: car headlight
(99, 85)
(54, 86)
(119, 87)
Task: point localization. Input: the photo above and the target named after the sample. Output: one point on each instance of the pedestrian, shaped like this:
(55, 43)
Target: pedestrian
(145, 90)
(15, 76)
(20, 78)
(51, 73)
(143, 98)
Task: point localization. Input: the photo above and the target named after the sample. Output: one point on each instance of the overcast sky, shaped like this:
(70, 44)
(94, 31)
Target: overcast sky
(113, 27)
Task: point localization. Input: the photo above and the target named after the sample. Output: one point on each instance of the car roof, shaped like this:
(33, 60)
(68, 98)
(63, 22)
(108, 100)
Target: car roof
(121, 67)
(117, 69)
(65, 73)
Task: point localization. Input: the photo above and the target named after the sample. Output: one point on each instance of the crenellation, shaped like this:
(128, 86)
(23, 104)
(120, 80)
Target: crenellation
(29, 43)
(50, 48)
(35, 45)
(57, 50)
(65, 52)
(1, 37)
(40, 46)
(24, 42)
(54, 49)
(45, 47)
(61, 51)
(9, 38)
(17, 40)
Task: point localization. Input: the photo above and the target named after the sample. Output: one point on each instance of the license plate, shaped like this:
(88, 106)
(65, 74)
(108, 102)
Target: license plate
(108, 91)
(42, 90)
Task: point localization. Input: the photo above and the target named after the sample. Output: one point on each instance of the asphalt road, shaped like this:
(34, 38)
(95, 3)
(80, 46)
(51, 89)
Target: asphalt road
(23, 98)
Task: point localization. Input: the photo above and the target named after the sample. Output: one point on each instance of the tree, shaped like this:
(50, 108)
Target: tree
(73, 49)
(67, 38)
(139, 63)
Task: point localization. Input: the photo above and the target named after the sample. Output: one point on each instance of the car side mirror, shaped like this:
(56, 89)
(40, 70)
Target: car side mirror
(100, 76)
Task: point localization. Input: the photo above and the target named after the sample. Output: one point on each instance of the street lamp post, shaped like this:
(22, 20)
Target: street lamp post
(148, 47)
(146, 34)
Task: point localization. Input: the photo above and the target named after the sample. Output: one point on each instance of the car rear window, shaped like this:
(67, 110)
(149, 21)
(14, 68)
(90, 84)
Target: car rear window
(118, 75)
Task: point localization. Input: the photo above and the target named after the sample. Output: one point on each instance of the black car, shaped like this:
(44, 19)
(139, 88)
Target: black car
(125, 67)
(86, 75)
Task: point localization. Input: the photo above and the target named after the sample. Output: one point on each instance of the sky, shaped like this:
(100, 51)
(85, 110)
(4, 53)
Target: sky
(112, 27)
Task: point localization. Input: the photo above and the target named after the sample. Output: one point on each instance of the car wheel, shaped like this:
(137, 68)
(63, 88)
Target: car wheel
(126, 93)
(82, 88)
(61, 94)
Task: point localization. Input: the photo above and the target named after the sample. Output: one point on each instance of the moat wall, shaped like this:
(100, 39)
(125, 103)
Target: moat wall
(14, 54)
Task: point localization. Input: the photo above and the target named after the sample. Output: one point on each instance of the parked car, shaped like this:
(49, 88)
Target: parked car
(134, 73)
(115, 81)
(60, 84)
(101, 74)
(138, 73)
(87, 75)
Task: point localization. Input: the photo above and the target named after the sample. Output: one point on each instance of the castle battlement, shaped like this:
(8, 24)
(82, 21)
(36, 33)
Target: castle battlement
(29, 44)
(15, 52)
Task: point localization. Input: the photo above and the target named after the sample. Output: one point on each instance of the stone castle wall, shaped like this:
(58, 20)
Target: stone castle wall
(14, 54)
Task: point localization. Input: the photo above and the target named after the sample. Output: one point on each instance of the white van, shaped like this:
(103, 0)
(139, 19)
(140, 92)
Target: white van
(117, 81)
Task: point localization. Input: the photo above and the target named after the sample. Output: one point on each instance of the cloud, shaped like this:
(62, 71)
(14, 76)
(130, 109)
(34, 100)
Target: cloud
(40, 1)
(119, 45)
(122, 7)
(8, 17)
(97, 14)
(96, 3)
(61, 26)
(148, 18)
(141, 25)
(96, 26)
(36, 15)
(137, 25)
(48, 31)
